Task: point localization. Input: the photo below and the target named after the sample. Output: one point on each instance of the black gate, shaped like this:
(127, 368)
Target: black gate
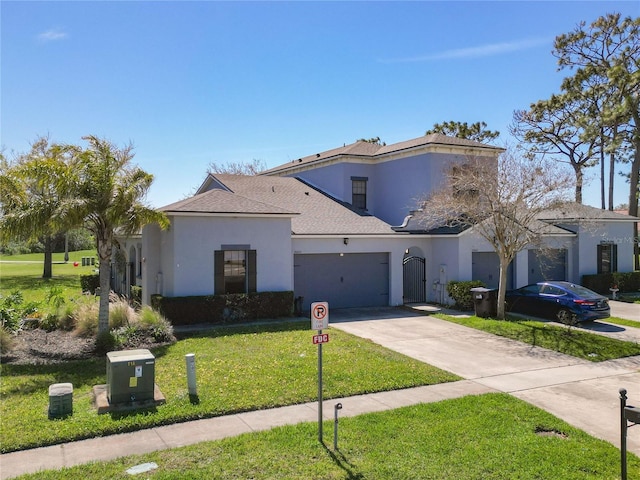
(414, 290)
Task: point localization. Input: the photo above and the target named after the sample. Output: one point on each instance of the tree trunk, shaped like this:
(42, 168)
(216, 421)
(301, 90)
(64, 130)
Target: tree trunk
(633, 199)
(602, 175)
(612, 168)
(579, 181)
(502, 287)
(104, 255)
(48, 257)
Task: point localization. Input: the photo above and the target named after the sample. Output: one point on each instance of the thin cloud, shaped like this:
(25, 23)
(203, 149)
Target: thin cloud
(53, 35)
(480, 51)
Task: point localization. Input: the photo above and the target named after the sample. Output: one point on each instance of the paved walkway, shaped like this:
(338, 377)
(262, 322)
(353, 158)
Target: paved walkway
(582, 393)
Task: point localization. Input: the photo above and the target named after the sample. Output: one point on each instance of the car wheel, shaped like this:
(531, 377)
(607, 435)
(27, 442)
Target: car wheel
(567, 317)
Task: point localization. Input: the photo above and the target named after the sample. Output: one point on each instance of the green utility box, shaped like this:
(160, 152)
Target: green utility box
(130, 376)
(60, 400)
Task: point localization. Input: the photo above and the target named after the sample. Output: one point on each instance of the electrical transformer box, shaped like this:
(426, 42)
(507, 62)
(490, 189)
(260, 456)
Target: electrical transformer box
(130, 376)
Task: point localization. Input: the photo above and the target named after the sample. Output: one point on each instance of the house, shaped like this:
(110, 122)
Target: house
(336, 226)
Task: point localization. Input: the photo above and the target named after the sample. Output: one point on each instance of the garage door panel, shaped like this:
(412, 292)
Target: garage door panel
(350, 280)
(545, 265)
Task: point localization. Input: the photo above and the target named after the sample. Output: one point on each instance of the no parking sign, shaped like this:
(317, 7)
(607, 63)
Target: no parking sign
(319, 315)
(320, 321)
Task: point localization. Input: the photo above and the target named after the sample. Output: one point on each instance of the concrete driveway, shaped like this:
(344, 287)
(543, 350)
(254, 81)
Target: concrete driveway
(583, 393)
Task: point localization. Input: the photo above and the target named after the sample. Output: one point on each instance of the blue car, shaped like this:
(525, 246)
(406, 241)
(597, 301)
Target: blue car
(561, 301)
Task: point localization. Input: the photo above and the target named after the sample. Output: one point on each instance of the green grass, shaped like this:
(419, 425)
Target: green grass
(574, 342)
(237, 369)
(493, 436)
(623, 321)
(20, 272)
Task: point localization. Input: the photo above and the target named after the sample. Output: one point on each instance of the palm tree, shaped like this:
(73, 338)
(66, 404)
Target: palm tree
(110, 192)
(34, 196)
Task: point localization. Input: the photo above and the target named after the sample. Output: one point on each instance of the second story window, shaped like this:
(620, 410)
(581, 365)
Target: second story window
(359, 192)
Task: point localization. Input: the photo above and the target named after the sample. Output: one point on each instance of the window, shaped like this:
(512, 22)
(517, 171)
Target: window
(359, 192)
(607, 258)
(235, 271)
(552, 290)
(463, 182)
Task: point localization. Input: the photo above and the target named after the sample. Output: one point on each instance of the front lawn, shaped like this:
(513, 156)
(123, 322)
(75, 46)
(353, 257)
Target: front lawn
(237, 369)
(574, 342)
(24, 273)
(493, 436)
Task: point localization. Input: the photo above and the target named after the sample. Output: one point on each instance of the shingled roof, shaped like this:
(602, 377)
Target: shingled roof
(220, 202)
(374, 151)
(571, 212)
(319, 214)
(313, 212)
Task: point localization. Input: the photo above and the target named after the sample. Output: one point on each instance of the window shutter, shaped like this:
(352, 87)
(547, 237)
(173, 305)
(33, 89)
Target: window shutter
(218, 269)
(599, 258)
(614, 257)
(252, 277)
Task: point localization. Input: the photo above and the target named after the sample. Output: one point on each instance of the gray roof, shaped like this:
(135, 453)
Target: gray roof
(373, 150)
(221, 201)
(318, 213)
(414, 225)
(572, 212)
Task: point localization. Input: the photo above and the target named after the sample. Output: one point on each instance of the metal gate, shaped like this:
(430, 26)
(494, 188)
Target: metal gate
(414, 279)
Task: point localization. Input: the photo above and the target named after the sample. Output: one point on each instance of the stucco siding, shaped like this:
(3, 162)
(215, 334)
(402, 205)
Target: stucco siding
(402, 183)
(151, 262)
(591, 235)
(330, 179)
(191, 243)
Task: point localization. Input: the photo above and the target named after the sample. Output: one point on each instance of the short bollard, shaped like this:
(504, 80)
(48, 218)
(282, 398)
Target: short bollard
(191, 375)
(335, 425)
(628, 414)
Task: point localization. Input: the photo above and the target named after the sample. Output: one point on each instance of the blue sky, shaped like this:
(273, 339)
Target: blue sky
(190, 83)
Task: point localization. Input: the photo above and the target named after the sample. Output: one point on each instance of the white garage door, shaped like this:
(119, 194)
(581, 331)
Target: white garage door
(348, 280)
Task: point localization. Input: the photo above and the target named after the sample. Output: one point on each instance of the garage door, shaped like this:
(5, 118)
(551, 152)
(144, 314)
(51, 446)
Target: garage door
(486, 268)
(550, 264)
(348, 280)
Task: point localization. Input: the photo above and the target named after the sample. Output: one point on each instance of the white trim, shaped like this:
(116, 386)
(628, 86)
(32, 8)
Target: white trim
(296, 166)
(220, 214)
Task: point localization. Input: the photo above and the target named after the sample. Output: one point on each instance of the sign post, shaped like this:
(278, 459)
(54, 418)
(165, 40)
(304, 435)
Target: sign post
(320, 320)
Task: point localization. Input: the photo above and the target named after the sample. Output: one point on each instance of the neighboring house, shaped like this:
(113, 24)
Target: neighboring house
(336, 226)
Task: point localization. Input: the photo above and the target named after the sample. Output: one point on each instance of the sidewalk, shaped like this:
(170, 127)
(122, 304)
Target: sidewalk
(580, 392)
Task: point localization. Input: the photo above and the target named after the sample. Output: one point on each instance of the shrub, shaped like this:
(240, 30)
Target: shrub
(136, 296)
(106, 342)
(6, 341)
(625, 282)
(86, 318)
(460, 292)
(120, 313)
(224, 308)
(90, 283)
(12, 311)
(50, 322)
(160, 327)
(67, 316)
(55, 297)
(147, 326)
